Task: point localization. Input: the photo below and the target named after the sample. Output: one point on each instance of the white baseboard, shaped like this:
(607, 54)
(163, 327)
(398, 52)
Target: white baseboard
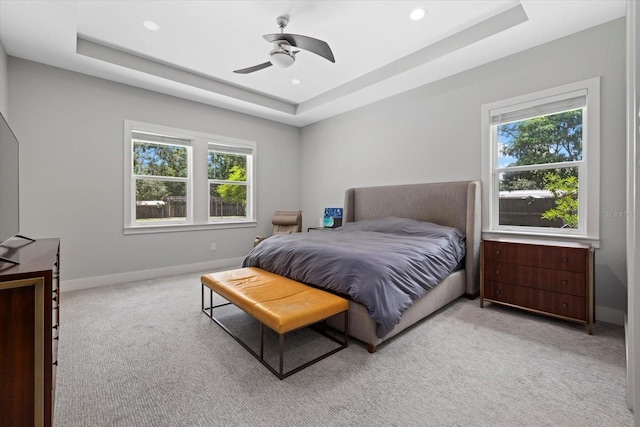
(133, 276)
(610, 315)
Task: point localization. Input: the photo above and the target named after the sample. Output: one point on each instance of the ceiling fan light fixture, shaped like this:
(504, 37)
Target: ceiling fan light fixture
(281, 59)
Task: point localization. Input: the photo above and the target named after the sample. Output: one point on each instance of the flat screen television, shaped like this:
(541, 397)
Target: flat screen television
(9, 193)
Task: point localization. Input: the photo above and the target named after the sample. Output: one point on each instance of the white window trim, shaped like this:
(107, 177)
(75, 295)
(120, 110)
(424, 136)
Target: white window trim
(198, 188)
(589, 182)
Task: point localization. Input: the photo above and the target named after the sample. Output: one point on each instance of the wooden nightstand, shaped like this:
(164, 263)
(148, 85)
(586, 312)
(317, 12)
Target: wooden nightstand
(551, 278)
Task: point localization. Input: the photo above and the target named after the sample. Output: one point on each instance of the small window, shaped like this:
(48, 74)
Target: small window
(161, 176)
(183, 180)
(542, 162)
(228, 183)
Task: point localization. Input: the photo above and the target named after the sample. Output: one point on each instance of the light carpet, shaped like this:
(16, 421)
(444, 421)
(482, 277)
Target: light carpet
(143, 354)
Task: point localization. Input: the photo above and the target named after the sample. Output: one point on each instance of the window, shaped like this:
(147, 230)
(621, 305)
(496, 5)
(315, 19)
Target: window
(541, 162)
(161, 178)
(183, 180)
(227, 182)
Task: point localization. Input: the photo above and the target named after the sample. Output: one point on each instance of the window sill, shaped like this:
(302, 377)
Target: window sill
(593, 241)
(172, 228)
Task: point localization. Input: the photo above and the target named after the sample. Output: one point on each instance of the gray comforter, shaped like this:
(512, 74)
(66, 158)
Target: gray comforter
(384, 264)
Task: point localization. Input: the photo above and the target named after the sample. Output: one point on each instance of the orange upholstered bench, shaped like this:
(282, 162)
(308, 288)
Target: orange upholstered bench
(281, 304)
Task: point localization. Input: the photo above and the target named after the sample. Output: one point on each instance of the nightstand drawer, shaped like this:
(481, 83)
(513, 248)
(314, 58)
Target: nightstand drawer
(551, 257)
(567, 282)
(564, 305)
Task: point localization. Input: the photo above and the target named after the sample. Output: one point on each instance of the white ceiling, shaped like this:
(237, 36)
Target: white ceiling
(379, 51)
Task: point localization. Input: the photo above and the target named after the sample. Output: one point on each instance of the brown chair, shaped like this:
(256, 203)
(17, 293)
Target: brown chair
(284, 222)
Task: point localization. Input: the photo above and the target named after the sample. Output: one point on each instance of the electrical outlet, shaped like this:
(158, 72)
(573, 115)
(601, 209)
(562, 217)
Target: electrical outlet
(213, 247)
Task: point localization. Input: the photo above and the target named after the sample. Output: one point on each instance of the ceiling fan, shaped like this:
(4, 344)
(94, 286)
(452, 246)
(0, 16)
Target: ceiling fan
(283, 55)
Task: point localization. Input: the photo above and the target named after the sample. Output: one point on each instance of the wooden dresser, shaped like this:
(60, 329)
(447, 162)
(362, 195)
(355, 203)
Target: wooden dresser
(551, 278)
(29, 327)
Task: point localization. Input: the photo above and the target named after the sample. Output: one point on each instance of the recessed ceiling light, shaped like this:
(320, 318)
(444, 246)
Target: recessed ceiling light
(417, 14)
(296, 81)
(150, 25)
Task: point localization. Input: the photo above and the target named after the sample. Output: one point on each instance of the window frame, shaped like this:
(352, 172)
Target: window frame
(588, 167)
(197, 184)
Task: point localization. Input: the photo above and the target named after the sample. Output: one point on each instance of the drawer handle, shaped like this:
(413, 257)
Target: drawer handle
(497, 271)
(565, 305)
(497, 291)
(565, 259)
(498, 252)
(564, 282)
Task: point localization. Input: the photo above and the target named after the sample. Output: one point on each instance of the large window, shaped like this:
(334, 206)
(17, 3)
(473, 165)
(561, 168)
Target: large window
(541, 161)
(177, 179)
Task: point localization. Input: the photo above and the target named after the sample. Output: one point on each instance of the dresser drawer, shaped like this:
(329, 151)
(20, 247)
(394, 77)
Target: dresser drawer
(567, 282)
(551, 257)
(564, 305)
(508, 293)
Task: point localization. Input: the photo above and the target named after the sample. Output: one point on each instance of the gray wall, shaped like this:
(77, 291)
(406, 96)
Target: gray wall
(433, 134)
(4, 83)
(70, 128)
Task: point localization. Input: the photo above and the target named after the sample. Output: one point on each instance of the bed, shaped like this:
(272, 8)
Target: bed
(450, 211)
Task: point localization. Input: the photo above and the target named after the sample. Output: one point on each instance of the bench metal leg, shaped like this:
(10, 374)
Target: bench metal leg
(280, 373)
(261, 341)
(209, 310)
(343, 344)
(281, 345)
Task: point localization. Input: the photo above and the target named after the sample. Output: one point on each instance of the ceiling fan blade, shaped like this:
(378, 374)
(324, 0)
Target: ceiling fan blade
(254, 68)
(316, 46)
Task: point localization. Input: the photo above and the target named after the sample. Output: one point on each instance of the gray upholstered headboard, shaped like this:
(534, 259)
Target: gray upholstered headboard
(455, 204)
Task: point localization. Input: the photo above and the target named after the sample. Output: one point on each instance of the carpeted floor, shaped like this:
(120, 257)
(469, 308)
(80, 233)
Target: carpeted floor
(143, 354)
